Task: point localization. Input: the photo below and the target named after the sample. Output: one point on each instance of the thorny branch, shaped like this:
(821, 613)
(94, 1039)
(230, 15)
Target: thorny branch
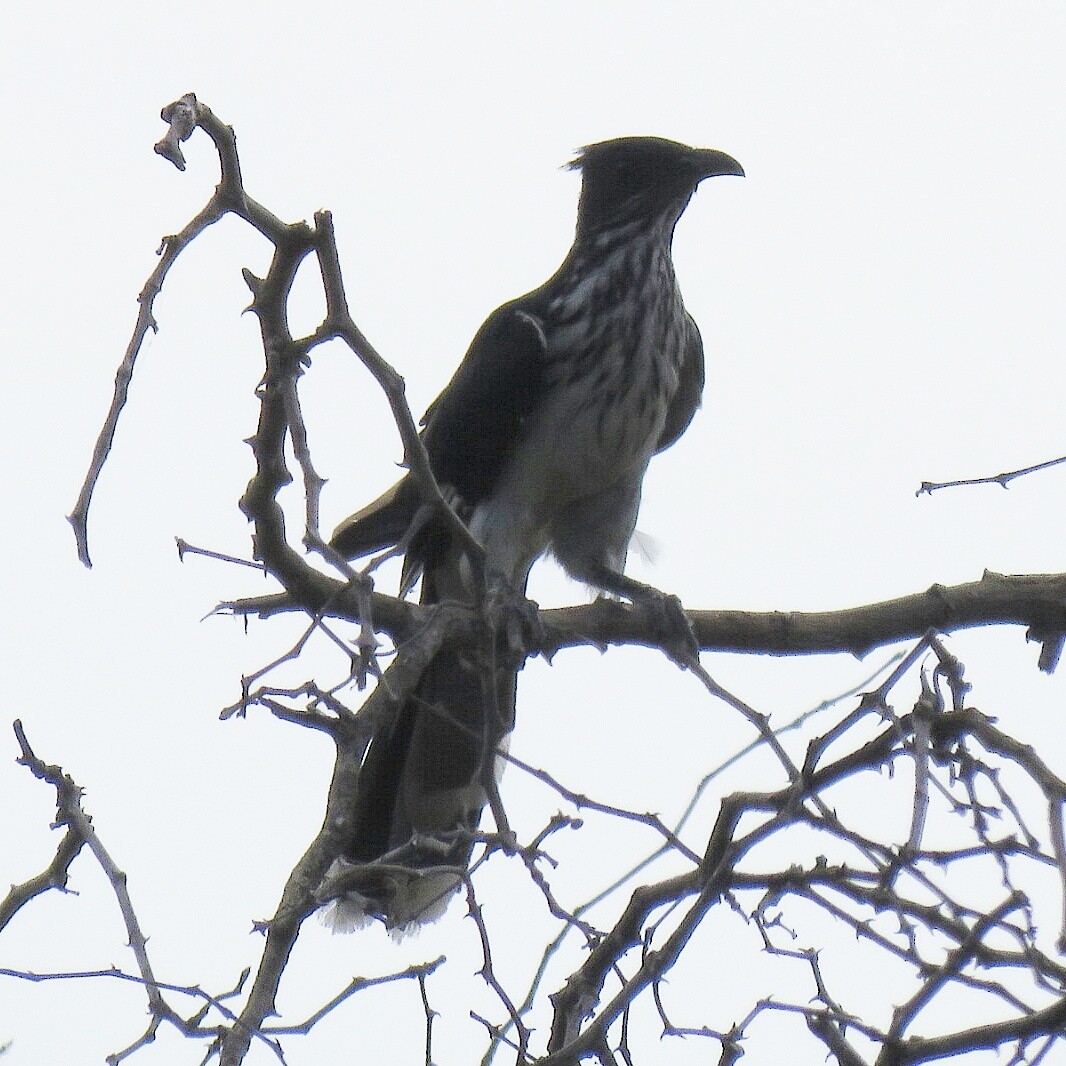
(80, 832)
(1034, 601)
(923, 910)
(68, 798)
(1002, 480)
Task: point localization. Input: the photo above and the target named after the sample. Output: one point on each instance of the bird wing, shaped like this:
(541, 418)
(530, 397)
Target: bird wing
(380, 524)
(686, 400)
(471, 428)
(477, 422)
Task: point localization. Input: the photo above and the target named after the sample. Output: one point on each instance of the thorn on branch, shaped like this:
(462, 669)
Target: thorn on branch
(254, 283)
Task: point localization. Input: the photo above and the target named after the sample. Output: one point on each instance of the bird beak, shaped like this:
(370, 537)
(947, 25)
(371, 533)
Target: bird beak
(710, 163)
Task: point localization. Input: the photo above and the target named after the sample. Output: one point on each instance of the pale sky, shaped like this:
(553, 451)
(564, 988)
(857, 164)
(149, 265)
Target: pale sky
(881, 304)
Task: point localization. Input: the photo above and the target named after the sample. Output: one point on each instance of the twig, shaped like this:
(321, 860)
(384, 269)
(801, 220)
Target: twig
(1002, 480)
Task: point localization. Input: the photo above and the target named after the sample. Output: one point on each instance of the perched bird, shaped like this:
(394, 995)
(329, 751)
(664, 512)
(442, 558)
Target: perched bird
(540, 441)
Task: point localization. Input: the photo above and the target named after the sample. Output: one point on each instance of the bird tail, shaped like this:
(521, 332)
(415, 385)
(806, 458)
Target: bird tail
(425, 777)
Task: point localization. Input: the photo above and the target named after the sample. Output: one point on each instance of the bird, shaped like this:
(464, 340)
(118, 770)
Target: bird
(540, 443)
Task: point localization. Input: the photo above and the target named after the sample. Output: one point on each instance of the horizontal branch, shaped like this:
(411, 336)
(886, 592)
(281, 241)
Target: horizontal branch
(1036, 601)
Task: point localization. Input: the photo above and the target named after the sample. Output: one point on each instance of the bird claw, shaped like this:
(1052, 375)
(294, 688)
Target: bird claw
(672, 628)
(516, 618)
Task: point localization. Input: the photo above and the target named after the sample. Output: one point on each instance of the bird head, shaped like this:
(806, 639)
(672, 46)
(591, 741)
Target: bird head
(635, 179)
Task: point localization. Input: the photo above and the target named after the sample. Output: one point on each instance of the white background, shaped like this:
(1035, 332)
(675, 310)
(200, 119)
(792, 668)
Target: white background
(881, 303)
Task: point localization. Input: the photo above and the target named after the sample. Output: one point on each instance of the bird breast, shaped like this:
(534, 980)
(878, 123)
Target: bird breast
(615, 345)
(614, 350)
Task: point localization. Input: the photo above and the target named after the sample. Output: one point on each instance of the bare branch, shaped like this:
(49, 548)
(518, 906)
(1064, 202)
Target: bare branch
(1035, 601)
(1002, 480)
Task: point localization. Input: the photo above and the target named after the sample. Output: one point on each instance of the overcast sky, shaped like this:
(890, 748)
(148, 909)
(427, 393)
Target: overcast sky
(881, 304)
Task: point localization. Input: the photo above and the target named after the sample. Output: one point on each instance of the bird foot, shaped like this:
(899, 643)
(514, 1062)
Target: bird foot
(671, 627)
(515, 617)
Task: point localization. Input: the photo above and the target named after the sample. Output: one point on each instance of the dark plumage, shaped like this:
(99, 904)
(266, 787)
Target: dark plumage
(542, 438)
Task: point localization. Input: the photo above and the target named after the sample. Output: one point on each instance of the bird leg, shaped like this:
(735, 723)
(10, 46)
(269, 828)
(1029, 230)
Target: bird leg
(513, 616)
(673, 630)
